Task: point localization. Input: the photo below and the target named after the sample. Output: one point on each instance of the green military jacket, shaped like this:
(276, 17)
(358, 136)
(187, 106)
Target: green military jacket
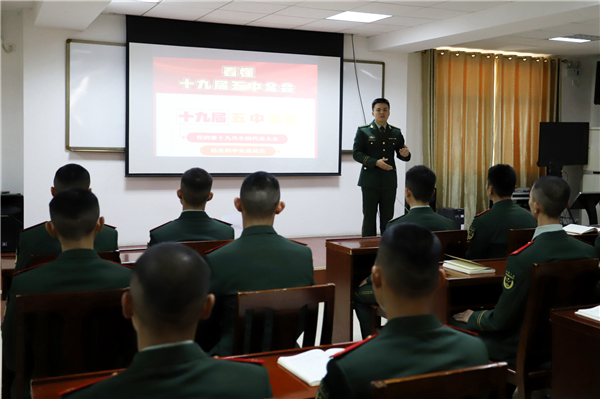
(369, 146)
(73, 270)
(192, 226)
(406, 346)
(597, 246)
(426, 217)
(36, 240)
(501, 326)
(259, 260)
(181, 371)
(488, 234)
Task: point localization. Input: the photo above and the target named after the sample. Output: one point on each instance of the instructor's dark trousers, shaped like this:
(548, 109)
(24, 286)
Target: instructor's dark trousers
(372, 198)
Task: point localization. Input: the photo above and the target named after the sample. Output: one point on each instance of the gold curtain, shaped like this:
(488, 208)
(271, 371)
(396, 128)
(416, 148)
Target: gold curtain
(462, 128)
(525, 96)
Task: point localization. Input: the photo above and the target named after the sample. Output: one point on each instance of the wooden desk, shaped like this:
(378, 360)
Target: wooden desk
(349, 261)
(283, 383)
(575, 360)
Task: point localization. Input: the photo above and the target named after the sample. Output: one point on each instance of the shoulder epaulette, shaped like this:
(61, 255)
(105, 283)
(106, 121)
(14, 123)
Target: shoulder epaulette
(35, 225)
(228, 224)
(87, 384)
(354, 346)
(164, 224)
(461, 330)
(393, 127)
(394, 219)
(29, 268)
(298, 242)
(111, 226)
(215, 248)
(251, 361)
(479, 214)
(522, 248)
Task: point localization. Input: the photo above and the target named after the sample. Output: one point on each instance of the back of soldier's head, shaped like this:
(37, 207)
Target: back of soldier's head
(552, 194)
(409, 258)
(196, 184)
(71, 176)
(260, 194)
(503, 178)
(420, 180)
(74, 213)
(169, 285)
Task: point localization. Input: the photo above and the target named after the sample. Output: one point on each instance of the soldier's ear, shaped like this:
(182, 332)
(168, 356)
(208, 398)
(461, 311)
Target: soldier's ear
(407, 193)
(442, 278)
(52, 191)
(280, 207)
(127, 304)
(376, 276)
(210, 196)
(238, 204)
(51, 229)
(99, 224)
(208, 306)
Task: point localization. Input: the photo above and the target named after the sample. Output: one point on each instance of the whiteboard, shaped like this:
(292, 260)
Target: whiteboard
(370, 80)
(95, 96)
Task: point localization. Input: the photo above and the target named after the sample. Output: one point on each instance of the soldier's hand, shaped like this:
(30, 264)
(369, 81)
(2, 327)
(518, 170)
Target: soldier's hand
(405, 151)
(381, 164)
(463, 316)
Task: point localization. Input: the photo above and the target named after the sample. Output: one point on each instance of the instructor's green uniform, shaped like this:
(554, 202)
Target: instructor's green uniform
(363, 296)
(406, 346)
(378, 186)
(192, 225)
(179, 371)
(36, 240)
(259, 260)
(501, 326)
(488, 234)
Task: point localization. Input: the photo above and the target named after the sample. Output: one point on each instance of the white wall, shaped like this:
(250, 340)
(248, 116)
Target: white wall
(315, 205)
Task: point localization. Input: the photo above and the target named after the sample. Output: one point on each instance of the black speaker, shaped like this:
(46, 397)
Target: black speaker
(456, 215)
(12, 221)
(597, 91)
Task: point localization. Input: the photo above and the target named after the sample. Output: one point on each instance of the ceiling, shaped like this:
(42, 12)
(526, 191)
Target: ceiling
(511, 26)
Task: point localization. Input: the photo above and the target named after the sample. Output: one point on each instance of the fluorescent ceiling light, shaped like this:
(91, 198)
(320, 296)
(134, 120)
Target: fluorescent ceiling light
(353, 16)
(569, 39)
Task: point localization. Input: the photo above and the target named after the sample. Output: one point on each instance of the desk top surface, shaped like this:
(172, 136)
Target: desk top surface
(568, 319)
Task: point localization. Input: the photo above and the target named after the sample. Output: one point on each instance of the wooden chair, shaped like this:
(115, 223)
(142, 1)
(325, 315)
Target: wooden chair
(7, 276)
(202, 247)
(553, 285)
(455, 384)
(454, 242)
(517, 238)
(274, 319)
(80, 332)
(106, 255)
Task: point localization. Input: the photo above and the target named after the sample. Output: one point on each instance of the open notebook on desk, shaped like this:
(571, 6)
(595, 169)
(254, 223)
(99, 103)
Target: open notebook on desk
(591, 313)
(466, 266)
(310, 366)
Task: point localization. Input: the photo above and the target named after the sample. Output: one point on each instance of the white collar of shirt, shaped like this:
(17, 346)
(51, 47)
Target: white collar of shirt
(379, 127)
(419, 206)
(546, 229)
(169, 345)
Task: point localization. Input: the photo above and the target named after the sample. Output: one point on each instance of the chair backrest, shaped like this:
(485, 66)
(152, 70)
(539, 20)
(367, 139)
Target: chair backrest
(202, 247)
(274, 319)
(454, 242)
(106, 255)
(7, 276)
(455, 384)
(517, 238)
(553, 285)
(69, 333)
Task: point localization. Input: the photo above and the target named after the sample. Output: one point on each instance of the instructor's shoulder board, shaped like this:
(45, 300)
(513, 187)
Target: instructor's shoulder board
(522, 248)
(353, 346)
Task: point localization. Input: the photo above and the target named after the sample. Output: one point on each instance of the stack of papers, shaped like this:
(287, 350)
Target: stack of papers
(467, 267)
(579, 229)
(310, 366)
(592, 313)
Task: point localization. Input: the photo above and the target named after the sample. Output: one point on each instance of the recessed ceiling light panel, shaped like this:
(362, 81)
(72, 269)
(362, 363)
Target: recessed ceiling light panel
(353, 16)
(570, 39)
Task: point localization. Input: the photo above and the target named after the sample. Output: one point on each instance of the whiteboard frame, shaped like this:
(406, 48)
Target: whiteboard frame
(68, 100)
(382, 89)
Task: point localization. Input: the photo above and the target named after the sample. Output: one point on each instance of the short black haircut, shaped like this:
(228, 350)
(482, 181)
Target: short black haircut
(169, 285)
(552, 193)
(420, 180)
(503, 178)
(74, 213)
(71, 176)
(379, 101)
(260, 194)
(196, 184)
(409, 258)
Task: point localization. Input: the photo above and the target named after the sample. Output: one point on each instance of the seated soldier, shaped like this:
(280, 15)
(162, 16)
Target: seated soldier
(488, 234)
(193, 224)
(500, 327)
(259, 260)
(75, 220)
(597, 245)
(405, 276)
(35, 240)
(169, 293)
(420, 187)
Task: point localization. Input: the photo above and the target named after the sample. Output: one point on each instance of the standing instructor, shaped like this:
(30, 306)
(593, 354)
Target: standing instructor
(374, 147)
